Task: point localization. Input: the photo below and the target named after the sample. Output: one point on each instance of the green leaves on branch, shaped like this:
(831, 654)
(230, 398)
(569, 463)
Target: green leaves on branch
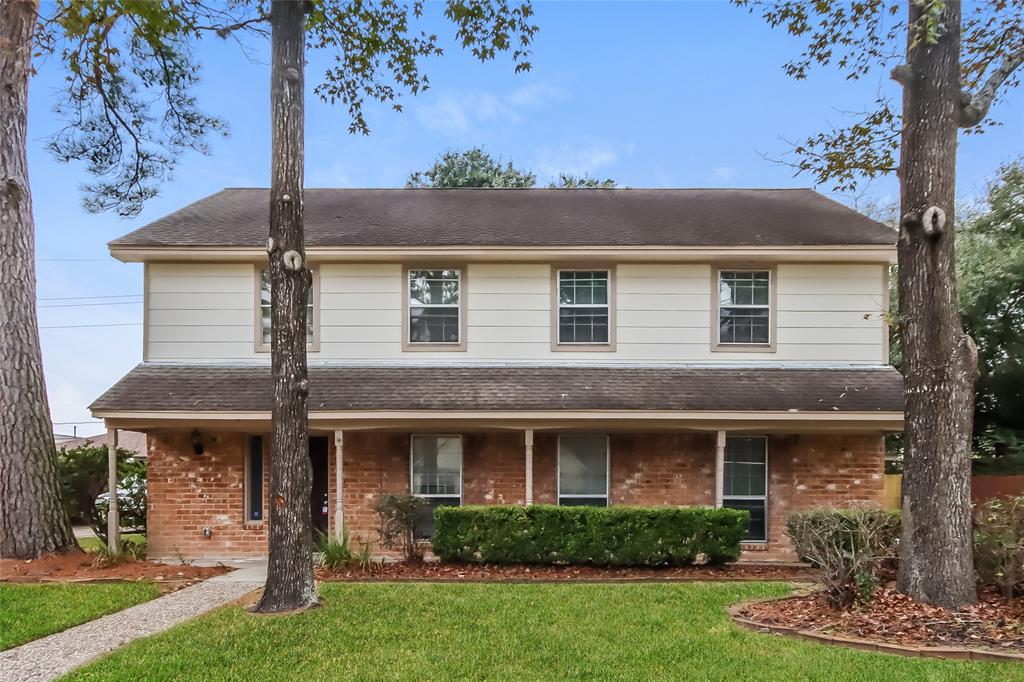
(870, 36)
(129, 101)
(471, 168)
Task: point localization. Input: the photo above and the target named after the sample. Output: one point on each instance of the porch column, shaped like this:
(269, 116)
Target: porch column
(529, 467)
(113, 517)
(719, 468)
(339, 509)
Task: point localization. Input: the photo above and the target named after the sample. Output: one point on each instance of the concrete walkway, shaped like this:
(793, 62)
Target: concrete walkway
(50, 657)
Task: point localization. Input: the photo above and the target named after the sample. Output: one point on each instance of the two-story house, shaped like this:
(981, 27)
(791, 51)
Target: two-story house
(477, 346)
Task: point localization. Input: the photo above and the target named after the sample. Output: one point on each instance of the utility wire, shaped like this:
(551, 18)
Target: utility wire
(84, 326)
(86, 305)
(84, 298)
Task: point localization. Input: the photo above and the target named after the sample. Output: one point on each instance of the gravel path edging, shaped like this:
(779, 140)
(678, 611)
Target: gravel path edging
(57, 654)
(952, 653)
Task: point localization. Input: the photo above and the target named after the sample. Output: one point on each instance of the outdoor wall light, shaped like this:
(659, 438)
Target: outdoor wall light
(207, 532)
(197, 445)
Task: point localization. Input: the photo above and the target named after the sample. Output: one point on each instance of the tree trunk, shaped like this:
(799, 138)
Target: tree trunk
(32, 515)
(290, 571)
(939, 359)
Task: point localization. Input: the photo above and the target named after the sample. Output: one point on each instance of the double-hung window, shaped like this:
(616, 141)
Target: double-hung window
(746, 481)
(583, 470)
(254, 480)
(264, 320)
(436, 476)
(584, 307)
(434, 308)
(744, 307)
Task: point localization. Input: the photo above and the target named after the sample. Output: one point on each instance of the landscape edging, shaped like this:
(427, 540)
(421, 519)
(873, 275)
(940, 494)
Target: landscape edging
(951, 653)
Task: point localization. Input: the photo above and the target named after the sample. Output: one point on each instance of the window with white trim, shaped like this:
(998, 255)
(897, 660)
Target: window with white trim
(746, 481)
(744, 307)
(434, 306)
(265, 315)
(583, 470)
(436, 476)
(254, 480)
(584, 310)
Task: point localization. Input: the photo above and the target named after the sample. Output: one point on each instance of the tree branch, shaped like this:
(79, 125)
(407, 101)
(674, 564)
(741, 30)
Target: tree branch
(976, 107)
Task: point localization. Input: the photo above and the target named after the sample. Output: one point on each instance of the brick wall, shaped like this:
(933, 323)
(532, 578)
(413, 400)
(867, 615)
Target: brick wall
(189, 492)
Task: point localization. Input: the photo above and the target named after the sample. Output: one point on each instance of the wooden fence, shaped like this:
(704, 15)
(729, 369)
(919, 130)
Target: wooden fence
(982, 488)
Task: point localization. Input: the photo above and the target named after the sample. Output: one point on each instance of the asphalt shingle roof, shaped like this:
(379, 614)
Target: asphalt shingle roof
(524, 217)
(219, 388)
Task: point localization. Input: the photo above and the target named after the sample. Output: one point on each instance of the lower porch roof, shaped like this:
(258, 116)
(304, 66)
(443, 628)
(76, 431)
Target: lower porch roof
(159, 395)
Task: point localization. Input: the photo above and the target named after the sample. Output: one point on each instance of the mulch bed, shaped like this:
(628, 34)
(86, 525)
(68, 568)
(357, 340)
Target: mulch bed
(77, 566)
(894, 618)
(456, 572)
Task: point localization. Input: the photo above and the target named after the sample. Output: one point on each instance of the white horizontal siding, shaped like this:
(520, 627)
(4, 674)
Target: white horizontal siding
(825, 313)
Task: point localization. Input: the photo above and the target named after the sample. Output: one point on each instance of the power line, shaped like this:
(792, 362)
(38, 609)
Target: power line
(84, 298)
(84, 326)
(86, 305)
(87, 421)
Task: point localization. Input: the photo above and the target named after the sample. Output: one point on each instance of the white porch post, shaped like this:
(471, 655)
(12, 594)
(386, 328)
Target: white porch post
(113, 517)
(529, 467)
(719, 468)
(339, 509)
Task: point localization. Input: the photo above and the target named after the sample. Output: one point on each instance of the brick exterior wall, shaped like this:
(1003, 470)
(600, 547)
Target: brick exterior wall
(189, 492)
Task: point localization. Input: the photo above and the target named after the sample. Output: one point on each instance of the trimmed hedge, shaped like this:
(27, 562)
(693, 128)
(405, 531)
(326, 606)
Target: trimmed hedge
(598, 536)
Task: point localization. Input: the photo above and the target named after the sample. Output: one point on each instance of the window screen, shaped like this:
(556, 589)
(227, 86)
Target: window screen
(583, 470)
(583, 306)
(746, 481)
(744, 307)
(434, 306)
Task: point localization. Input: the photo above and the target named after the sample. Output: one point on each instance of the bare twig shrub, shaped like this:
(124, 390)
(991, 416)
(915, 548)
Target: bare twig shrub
(849, 547)
(398, 516)
(999, 544)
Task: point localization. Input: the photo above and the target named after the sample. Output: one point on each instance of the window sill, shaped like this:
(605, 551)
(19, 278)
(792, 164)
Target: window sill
(435, 347)
(743, 348)
(583, 347)
(253, 525)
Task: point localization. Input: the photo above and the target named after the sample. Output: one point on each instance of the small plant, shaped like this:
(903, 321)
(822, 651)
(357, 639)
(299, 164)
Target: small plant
(336, 551)
(130, 550)
(365, 559)
(398, 516)
(182, 559)
(999, 544)
(849, 547)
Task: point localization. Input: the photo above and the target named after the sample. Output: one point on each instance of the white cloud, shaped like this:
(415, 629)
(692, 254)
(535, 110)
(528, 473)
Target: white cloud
(724, 173)
(462, 113)
(578, 158)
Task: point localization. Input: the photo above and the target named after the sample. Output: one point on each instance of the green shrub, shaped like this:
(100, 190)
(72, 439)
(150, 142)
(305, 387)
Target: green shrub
(850, 547)
(999, 544)
(336, 551)
(599, 536)
(398, 516)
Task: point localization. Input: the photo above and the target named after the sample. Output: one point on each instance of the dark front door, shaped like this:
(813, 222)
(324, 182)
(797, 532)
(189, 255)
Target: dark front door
(318, 498)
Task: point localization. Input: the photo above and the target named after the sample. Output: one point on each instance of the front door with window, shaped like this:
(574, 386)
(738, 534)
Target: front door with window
(318, 497)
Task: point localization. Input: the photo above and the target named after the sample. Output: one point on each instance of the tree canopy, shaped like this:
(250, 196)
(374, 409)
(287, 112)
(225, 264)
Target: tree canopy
(471, 168)
(129, 101)
(476, 168)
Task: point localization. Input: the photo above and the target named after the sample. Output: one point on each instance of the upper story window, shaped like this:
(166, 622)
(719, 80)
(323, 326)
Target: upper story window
(583, 470)
(745, 307)
(435, 314)
(263, 317)
(584, 311)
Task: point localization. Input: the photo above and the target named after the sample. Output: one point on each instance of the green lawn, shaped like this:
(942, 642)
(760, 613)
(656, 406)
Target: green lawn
(29, 612)
(504, 632)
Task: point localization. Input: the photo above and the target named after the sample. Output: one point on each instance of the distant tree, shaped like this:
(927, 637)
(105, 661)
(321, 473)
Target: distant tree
(950, 72)
(570, 181)
(471, 168)
(990, 271)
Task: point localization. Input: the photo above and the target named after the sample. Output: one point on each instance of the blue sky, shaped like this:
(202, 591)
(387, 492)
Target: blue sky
(683, 94)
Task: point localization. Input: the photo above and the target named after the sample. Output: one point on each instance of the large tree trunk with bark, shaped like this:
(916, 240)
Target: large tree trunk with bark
(939, 359)
(290, 571)
(32, 516)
